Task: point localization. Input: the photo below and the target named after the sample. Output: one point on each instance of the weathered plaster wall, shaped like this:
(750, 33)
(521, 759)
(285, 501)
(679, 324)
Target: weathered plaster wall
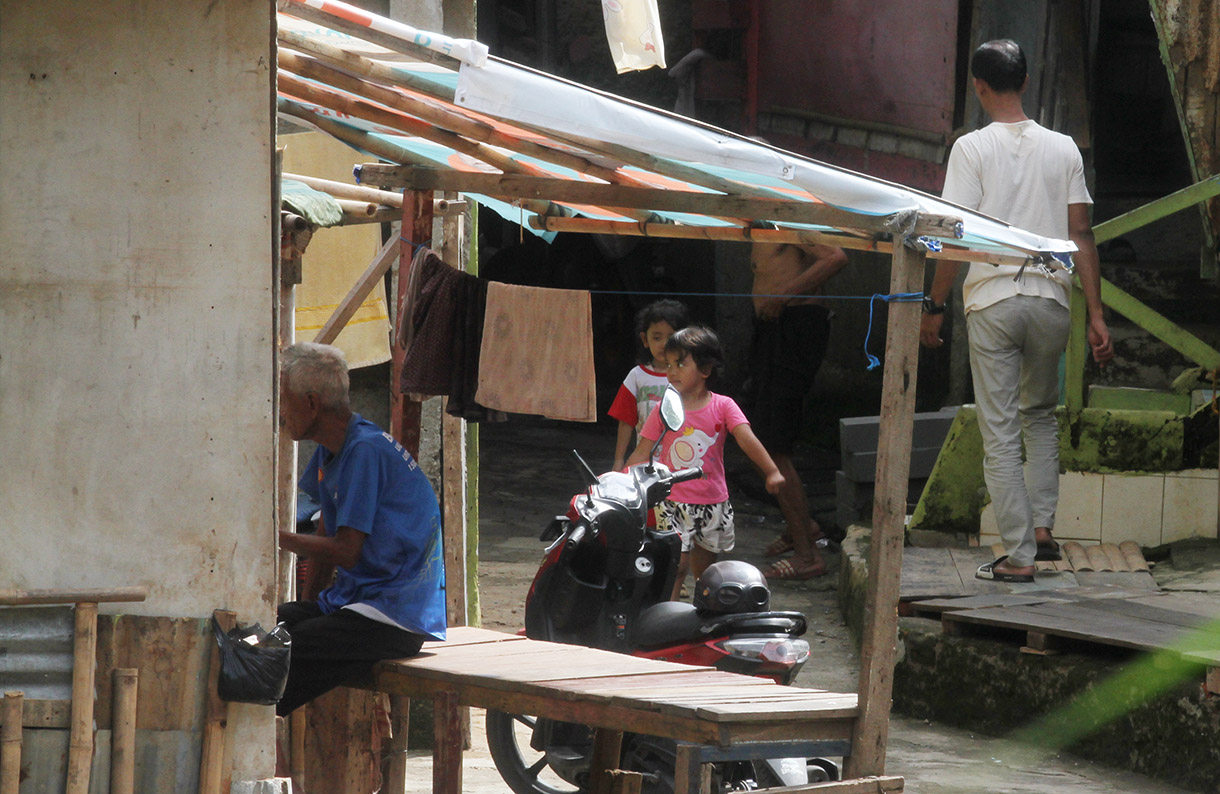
(136, 308)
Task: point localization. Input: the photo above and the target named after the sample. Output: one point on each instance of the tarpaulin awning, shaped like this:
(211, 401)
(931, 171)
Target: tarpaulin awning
(554, 155)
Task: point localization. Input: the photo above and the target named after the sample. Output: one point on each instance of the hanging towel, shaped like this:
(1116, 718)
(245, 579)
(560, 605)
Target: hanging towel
(537, 353)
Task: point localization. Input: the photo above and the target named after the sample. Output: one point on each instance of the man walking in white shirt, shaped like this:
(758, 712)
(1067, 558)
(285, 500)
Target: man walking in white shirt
(1017, 319)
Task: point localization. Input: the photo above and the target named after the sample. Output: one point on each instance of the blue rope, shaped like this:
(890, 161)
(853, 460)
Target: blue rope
(873, 361)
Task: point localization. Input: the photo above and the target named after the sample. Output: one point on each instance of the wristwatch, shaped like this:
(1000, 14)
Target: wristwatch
(932, 307)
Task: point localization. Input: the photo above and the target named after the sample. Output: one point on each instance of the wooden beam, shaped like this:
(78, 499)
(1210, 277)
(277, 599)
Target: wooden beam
(1187, 197)
(753, 235)
(654, 199)
(877, 649)
(352, 302)
(98, 596)
(1159, 326)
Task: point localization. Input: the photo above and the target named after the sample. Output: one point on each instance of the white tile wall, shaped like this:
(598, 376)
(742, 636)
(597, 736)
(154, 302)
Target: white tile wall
(1190, 505)
(1131, 508)
(1150, 509)
(1078, 516)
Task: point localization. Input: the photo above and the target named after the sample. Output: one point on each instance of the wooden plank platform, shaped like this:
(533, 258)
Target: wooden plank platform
(1183, 624)
(699, 707)
(930, 573)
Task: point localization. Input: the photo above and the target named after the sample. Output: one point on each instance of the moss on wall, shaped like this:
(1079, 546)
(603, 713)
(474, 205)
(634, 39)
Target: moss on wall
(1097, 440)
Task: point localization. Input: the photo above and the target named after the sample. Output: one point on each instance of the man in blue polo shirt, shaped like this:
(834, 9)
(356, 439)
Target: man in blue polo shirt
(380, 536)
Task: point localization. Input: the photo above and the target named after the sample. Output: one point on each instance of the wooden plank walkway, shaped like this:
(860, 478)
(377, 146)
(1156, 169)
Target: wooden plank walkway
(1184, 624)
(712, 715)
(949, 573)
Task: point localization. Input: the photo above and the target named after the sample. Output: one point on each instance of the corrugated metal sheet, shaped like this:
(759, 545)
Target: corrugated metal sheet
(36, 651)
(166, 761)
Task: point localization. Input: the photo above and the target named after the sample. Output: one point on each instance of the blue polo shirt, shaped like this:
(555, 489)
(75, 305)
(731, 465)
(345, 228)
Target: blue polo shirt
(374, 486)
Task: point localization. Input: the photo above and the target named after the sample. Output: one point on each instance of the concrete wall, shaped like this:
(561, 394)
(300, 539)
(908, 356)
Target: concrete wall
(136, 308)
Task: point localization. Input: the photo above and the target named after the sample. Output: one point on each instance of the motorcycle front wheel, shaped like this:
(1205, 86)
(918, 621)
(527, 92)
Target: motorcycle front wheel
(524, 769)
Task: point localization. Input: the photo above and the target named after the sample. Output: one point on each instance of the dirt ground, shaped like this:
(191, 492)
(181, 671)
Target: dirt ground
(526, 477)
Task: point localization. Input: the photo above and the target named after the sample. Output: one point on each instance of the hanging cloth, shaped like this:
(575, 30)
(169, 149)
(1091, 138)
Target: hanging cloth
(537, 353)
(441, 327)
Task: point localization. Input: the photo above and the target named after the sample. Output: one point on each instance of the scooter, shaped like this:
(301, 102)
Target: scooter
(604, 582)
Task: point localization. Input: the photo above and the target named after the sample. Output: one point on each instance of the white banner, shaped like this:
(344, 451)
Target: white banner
(633, 29)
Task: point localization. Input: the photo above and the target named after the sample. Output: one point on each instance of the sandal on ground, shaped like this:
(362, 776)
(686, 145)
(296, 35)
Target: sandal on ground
(784, 544)
(990, 573)
(1048, 552)
(781, 545)
(784, 569)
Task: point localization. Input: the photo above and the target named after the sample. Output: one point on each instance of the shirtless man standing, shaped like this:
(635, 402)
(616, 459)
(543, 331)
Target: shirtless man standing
(791, 329)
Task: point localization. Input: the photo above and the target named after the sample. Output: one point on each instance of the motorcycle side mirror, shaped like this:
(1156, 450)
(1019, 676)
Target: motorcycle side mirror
(590, 477)
(672, 412)
(673, 415)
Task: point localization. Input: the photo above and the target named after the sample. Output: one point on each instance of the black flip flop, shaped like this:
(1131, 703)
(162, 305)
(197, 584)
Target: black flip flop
(989, 573)
(1048, 552)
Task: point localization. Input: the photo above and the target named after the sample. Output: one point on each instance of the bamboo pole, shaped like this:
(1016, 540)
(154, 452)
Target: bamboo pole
(381, 214)
(104, 595)
(365, 67)
(10, 742)
(123, 731)
(426, 108)
(84, 659)
(342, 190)
(357, 208)
(216, 741)
(383, 149)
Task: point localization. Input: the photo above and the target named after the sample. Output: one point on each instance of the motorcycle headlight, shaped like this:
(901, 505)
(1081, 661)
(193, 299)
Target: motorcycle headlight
(783, 651)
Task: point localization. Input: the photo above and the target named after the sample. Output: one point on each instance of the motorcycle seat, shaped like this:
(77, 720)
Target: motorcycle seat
(678, 621)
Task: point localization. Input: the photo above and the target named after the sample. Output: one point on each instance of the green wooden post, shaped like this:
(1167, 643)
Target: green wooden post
(1155, 210)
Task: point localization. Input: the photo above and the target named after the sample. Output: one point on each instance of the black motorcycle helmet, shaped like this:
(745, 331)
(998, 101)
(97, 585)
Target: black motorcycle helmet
(732, 586)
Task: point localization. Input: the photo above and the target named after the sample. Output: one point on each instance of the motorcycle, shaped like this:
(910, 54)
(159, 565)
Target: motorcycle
(604, 582)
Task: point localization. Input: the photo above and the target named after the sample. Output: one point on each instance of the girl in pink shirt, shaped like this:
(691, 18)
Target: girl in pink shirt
(699, 510)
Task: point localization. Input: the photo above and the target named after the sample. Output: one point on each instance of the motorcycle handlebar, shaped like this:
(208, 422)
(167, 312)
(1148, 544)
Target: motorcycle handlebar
(682, 475)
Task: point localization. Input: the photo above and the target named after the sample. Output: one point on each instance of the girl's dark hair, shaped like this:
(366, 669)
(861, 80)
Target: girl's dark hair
(668, 311)
(700, 343)
(1000, 64)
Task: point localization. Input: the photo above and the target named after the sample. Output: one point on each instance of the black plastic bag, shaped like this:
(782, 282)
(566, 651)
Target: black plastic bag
(253, 663)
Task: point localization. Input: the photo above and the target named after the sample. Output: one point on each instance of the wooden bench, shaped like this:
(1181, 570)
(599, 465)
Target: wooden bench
(713, 715)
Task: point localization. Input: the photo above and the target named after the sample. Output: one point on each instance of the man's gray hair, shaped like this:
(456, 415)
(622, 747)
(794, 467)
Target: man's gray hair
(321, 369)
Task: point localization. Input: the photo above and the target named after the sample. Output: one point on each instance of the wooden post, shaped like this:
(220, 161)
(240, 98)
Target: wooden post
(453, 458)
(10, 742)
(446, 744)
(296, 748)
(214, 765)
(878, 643)
(288, 275)
(123, 731)
(400, 722)
(84, 659)
(607, 748)
(416, 227)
